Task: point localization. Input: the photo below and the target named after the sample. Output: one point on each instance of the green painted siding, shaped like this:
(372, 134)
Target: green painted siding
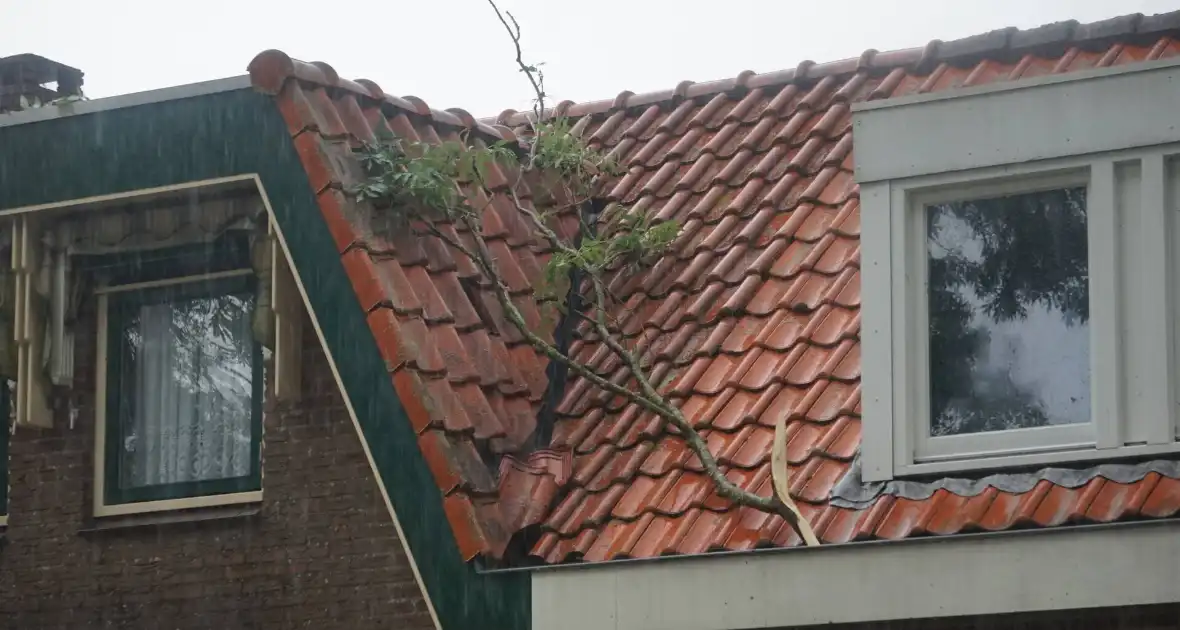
(242, 132)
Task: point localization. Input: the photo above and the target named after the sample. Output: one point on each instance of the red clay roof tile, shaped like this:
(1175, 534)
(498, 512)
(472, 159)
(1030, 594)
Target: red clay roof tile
(787, 334)
(754, 314)
(464, 381)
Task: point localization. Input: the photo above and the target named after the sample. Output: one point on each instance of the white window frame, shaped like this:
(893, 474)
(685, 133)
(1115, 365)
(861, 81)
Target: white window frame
(1133, 196)
(913, 313)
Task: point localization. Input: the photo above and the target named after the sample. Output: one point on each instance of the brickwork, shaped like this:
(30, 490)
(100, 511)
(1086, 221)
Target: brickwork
(323, 552)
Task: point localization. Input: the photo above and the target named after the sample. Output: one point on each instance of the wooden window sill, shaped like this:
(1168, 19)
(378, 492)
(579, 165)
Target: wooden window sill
(222, 513)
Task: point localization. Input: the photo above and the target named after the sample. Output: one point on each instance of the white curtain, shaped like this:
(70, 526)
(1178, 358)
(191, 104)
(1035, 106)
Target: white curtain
(191, 377)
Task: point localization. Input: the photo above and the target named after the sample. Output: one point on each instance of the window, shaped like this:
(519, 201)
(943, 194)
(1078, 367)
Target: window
(1004, 332)
(180, 387)
(1007, 303)
(1018, 272)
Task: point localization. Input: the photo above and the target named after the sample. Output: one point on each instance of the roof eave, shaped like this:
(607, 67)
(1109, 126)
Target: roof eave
(978, 574)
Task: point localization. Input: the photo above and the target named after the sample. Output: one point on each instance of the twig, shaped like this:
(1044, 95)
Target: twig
(536, 79)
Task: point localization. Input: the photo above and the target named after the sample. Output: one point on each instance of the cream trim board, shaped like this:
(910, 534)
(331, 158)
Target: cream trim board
(288, 309)
(1155, 246)
(876, 309)
(31, 404)
(188, 503)
(1171, 203)
(1132, 373)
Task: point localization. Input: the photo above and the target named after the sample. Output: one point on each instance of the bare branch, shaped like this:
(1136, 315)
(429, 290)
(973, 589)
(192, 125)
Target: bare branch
(433, 230)
(784, 505)
(780, 481)
(536, 79)
(538, 223)
(688, 433)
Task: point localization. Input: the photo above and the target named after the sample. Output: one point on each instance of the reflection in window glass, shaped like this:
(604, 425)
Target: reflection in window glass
(1009, 312)
(186, 382)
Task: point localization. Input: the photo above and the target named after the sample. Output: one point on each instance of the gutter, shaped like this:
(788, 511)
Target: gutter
(928, 540)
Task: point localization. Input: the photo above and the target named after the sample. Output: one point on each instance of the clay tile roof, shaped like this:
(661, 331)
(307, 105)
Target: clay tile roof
(470, 386)
(754, 314)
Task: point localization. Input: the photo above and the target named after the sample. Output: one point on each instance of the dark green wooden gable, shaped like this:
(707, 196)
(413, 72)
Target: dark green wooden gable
(239, 132)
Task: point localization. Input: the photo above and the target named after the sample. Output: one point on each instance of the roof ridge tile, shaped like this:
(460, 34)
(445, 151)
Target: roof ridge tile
(999, 42)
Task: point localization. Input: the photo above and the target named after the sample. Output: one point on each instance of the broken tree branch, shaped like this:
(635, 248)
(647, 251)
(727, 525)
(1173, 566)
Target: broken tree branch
(422, 184)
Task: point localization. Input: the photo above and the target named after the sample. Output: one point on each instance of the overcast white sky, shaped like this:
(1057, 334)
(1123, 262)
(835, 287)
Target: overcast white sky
(453, 53)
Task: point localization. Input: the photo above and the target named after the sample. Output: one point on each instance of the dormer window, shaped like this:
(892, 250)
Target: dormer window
(171, 298)
(179, 375)
(1018, 269)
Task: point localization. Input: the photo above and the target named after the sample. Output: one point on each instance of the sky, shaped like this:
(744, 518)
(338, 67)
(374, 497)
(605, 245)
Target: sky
(454, 53)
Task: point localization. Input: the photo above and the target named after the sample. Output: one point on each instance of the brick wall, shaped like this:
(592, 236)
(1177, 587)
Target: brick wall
(323, 552)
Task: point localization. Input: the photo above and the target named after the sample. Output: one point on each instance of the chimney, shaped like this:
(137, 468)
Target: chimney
(25, 82)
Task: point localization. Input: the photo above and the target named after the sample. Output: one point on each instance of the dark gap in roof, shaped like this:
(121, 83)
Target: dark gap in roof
(489, 458)
(517, 553)
(471, 289)
(556, 372)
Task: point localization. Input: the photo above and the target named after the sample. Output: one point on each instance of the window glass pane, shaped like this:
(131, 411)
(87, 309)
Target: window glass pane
(1009, 312)
(186, 388)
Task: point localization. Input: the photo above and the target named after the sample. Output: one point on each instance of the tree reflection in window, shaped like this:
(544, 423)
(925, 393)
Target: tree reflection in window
(1009, 312)
(187, 383)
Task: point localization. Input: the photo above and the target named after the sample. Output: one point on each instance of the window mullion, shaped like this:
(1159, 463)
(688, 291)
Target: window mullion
(1158, 362)
(1106, 340)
